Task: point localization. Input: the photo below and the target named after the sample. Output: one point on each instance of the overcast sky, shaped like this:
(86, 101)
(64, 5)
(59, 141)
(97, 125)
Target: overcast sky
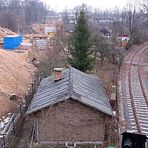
(59, 5)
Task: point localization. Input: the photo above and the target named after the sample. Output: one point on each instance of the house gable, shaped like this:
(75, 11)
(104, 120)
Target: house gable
(69, 121)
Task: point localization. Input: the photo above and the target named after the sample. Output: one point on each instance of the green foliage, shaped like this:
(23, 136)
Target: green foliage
(41, 146)
(80, 45)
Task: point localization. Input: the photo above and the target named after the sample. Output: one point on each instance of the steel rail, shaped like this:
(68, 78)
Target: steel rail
(138, 52)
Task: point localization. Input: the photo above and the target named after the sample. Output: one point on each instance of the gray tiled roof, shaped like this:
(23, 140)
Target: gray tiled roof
(75, 85)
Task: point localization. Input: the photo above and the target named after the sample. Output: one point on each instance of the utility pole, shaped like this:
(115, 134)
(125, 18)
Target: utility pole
(18, 26)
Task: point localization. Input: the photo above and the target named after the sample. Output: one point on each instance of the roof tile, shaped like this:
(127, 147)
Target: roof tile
(75, 85)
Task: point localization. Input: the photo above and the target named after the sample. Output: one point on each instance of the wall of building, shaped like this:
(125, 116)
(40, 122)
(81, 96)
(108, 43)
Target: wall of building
(70, 121)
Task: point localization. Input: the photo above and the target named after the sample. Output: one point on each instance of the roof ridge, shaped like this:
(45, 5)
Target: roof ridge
(70, 91)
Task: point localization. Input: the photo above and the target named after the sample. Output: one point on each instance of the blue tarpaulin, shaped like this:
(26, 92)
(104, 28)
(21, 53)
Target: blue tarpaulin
(12, 42)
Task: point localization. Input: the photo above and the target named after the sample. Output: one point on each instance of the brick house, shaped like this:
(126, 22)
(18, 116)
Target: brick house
(106, 32)
(72, 110)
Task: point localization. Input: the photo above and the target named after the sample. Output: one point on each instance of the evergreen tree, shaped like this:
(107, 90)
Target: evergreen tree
(80, 45)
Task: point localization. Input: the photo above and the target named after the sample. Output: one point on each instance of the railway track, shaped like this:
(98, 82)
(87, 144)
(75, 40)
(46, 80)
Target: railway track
(133, 93)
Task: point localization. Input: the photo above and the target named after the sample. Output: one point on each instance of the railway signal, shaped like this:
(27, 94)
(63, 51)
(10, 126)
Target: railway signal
(132, 140)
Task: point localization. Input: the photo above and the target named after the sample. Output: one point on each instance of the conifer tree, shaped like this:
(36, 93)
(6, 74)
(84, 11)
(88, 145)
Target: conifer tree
(80, 44)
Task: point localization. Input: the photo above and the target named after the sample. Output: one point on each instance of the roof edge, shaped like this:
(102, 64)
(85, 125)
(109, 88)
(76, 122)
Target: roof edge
(48, 105)
(75, 98)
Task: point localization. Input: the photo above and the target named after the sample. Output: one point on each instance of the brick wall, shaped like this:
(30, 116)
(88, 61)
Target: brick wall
(70, 121)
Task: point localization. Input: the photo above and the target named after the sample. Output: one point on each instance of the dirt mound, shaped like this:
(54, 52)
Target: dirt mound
(38, 28)
(5, 32)
(15, 77)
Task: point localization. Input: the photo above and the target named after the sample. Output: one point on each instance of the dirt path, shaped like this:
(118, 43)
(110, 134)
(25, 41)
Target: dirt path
(23, 140)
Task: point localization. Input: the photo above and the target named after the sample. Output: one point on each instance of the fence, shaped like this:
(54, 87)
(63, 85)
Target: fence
(12, 129)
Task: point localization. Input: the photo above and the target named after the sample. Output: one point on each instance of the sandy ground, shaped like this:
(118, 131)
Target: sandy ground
(5, 32)
(15, 77)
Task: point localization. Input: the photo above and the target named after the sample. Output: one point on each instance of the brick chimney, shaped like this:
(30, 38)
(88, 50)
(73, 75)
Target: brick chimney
(58, 74)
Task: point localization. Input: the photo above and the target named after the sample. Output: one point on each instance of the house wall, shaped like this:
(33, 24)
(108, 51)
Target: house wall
(70, 121)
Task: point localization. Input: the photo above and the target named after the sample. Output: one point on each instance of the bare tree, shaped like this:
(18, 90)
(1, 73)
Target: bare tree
(134, 22)
(19, 14)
